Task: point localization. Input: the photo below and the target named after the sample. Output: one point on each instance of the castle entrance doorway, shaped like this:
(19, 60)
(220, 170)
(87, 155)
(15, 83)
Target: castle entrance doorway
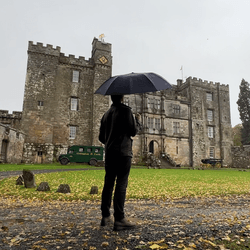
(4, 151)
(154, 148)
(151, 147)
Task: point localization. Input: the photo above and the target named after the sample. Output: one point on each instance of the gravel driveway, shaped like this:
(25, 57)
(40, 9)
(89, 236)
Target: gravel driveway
(171, 224)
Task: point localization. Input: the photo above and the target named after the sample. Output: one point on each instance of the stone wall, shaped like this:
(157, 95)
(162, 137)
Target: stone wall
(11, 144)
(42, 153)
(241, 156)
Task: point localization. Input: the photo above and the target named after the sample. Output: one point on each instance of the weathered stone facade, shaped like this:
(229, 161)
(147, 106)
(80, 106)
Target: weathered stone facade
(190, 122)
(11, 144)
(60, 108)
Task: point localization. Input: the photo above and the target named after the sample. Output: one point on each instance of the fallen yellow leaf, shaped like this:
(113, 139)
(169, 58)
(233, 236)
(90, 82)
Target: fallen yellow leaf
(192, 245)
(209, 242)
(155, 246)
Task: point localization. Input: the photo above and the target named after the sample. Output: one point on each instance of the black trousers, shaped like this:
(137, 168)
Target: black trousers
(117, 170)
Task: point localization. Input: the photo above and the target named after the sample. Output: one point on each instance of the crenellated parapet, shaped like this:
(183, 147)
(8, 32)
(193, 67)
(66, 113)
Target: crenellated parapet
(48, 49)
(13, 120)
(71, 59)
(205, 83)
(14, 115)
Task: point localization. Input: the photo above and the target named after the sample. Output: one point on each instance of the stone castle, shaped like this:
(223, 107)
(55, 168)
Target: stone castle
(187, 123)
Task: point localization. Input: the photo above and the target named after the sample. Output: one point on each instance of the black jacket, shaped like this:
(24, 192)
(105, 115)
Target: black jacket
(117, 126)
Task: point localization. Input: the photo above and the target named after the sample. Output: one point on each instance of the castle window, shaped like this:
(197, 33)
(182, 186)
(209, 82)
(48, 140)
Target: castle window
(210, 132)
(157, 123)
(17, 135)
(148, 103)
(210, 115)
(126, 101)
(40, 103)
(176, 127)
(157, 104)
(40, 153)
(74, 103)
(72, 132)
(152, 103)
(211, 152)
(75, 77)
(209, 96)
(176, 109)
(150, 122)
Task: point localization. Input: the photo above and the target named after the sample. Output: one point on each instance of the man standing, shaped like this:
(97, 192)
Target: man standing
(117, 127)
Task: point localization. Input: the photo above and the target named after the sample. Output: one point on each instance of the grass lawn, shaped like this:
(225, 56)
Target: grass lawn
(143, 184)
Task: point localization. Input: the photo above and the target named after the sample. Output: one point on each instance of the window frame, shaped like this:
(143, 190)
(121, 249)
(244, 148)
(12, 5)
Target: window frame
(211, 153)
(152, 103)
(40, 103)
(210, 131)
(75, 76)
(72, 132)
(126, 101)
(176, 109)
(157, 123)
(210, 115)
(158, 104)
(209, 96)
(74, 106)
(148, 104)
(176, 127)
(150, 122)
(40, 153)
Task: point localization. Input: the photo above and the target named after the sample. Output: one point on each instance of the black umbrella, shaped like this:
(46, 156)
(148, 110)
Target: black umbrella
(132, 84)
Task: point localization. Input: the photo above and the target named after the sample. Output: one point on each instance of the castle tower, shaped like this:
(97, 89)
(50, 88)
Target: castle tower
(101, 55)
(60, 108)
(210, 128)
(40, 93)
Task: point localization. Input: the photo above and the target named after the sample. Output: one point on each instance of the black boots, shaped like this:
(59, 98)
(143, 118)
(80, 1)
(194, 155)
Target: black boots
(123, 225)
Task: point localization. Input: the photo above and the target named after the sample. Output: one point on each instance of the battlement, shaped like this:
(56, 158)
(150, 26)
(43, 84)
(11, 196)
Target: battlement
(195, 80)
(14, 115)
(48, 49)
(71, 59)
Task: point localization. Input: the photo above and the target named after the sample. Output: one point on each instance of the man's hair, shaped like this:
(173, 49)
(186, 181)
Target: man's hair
(116, 98)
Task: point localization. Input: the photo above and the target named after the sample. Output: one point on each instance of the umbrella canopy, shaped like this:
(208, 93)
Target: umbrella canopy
(133, 83)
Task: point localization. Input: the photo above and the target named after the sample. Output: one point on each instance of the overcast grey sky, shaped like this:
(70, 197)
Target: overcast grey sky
(209, 38)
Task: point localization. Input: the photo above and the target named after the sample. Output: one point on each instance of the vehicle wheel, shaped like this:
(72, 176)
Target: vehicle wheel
(64, 161)
(93, 162)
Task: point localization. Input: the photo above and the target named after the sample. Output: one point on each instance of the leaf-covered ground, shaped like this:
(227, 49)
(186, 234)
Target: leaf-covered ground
(194, 223)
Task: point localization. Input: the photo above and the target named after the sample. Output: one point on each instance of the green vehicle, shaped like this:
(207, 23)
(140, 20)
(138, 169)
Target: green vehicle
(80, 154)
